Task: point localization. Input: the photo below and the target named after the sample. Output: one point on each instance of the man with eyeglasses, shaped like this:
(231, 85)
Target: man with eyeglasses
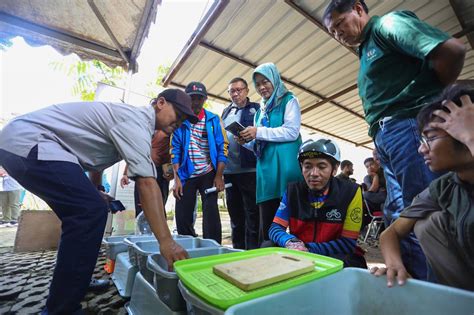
(240, 169)
(404, 63)
(442, 216)
(47, 152)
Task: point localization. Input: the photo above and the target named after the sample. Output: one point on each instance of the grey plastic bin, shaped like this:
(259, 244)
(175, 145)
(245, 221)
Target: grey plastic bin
(144, 249)
(355, 291)
(114, 245)
(144, 300)
(131, 240)
(166, 282)
(196, 306)
(124, 275)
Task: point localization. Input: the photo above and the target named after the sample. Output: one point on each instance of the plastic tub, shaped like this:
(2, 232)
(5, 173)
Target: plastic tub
(131, 240)
(166, 282)
(195, 305)
(144, 300)
(198, 276)
(355, 291)
(144, 249)
(124, 275)
(114, 245)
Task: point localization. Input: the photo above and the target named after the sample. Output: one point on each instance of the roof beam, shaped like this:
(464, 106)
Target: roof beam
(209, 94)
(330, 98)
(337, 137)
(310, 18)
(13, 20)
(299, 86)
(217, 7)
(106, 27)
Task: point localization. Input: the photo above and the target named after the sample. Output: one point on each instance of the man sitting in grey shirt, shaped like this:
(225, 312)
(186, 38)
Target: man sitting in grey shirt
(47, 152)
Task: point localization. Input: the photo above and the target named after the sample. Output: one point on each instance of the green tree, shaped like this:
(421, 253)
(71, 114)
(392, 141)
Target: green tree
(153, 87)
(87, 74)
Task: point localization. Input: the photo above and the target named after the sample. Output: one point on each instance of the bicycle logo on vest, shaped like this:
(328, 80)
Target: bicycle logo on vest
(334, 214)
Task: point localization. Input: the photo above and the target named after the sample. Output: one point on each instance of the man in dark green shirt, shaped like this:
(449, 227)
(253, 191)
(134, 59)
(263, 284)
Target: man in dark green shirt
(404, 62)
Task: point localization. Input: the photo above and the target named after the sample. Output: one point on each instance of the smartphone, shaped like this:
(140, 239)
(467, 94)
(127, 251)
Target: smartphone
(116, 205)
(235, 128)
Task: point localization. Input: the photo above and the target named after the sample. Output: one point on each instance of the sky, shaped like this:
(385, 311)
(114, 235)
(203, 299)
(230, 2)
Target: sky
(28, 82)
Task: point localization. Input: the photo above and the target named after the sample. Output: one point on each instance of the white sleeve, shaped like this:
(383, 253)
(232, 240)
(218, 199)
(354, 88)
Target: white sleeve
(290, 129)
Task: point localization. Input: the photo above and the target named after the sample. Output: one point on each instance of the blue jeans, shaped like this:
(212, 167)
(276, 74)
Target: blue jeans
(407, 175)
(83, 214)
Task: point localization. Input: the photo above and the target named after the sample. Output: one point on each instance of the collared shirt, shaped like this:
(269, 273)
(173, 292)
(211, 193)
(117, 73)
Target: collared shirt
(233, 165)
(395, 77)
(95, 135)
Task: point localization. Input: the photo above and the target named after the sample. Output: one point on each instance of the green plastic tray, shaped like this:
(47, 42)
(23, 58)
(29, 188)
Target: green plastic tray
(197, 275)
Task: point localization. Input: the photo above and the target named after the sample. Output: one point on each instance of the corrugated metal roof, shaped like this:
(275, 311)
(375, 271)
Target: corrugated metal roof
(110, 31)
(238, 35)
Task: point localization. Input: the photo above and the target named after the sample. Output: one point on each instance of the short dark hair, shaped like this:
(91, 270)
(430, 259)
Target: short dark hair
(369, 159)
(452, 93)
(346, 163)
(342, 6)
(238, 79)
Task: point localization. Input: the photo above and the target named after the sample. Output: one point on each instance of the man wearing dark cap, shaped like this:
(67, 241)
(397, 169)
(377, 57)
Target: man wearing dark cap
(199, 153)
(47, 151)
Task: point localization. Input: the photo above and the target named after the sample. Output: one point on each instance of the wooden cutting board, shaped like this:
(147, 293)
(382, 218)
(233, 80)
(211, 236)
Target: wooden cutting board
(254, 273)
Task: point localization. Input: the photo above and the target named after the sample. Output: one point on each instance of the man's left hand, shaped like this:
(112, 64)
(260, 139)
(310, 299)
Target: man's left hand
(219, 183)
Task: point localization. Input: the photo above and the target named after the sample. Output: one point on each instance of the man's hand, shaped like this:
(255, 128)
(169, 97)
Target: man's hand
(166, 172)
(392, 272)
(107, 198)
(239, 140)
(249, 133)
(172, 252)
(219, 183)
(177, 188)
(296, 245)
(124, 181)
(459, 122)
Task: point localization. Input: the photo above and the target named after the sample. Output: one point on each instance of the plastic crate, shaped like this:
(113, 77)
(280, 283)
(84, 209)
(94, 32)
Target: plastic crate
(131, 240)
(195, 305)
(356, 292)
(124, 275)
(198, 276)
(114, 245)
(144, 249)
(166, 282)
(145, 301)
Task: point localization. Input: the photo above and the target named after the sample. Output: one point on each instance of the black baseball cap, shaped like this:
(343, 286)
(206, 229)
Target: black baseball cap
(196, 88)
(181, 101)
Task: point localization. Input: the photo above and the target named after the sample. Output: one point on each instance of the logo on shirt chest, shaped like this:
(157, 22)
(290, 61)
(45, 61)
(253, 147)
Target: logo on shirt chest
(333, 215)
(371, 54)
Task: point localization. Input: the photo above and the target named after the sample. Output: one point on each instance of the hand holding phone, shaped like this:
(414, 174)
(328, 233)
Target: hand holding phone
(235, 128)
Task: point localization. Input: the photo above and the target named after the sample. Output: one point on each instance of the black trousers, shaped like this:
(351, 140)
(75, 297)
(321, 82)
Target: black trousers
(164, 186)
(211, 221)
(267, 210)
(83, 213)
(243, 210)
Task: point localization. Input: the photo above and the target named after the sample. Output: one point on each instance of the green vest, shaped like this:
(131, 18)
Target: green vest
(395, 76)
(278, 165)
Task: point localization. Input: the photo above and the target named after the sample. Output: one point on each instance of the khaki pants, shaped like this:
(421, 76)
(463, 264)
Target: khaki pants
(10, 204)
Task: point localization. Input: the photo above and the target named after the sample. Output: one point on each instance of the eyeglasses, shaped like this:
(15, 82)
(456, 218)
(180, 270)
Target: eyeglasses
(238, 91)
(426, 141)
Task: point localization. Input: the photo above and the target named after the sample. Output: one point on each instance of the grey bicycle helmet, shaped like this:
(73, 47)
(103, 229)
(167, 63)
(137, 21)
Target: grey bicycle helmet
(319, 148)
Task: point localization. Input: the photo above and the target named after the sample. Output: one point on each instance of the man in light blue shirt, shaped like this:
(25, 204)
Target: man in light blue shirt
(47, 152)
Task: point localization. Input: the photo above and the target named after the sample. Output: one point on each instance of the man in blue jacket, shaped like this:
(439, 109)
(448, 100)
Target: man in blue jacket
(199, 154)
